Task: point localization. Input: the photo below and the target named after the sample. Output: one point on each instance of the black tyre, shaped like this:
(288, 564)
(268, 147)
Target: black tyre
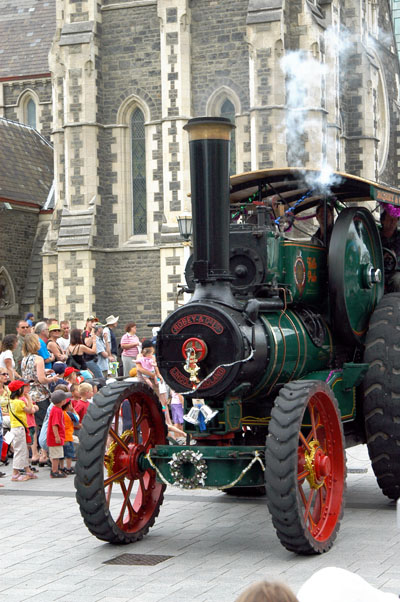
(120, 427)
(305, 467)
(382, 394)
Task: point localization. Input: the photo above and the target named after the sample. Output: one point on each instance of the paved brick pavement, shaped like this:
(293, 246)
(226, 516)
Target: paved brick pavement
(218, 544)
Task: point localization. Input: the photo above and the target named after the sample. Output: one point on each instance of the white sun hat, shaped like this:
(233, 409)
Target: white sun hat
(341, 585)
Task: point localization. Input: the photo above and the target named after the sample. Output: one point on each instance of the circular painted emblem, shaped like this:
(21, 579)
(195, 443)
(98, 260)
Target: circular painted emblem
(299, 273)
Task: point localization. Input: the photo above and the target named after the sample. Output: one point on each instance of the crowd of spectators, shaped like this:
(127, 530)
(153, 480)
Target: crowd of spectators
(47, 360)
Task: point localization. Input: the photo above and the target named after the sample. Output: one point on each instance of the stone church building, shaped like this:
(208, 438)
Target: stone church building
(113, 82)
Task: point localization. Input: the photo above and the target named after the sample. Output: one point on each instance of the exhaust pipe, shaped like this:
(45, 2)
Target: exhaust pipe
(209, 143)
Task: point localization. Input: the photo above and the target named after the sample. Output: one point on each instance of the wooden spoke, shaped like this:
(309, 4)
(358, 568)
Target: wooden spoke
(307, 514)
(118, 440)
(302, 475)
(115, 476)
(303, 496)
(109, 492)
(143, 487)
(126, 504)
(304, 441)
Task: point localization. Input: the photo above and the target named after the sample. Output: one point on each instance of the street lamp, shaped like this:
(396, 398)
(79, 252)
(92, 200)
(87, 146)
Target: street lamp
(185, 230)
(185, 225)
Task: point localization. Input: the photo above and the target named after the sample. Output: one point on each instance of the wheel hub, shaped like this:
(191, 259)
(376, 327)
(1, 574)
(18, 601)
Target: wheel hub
(117, 458)
(136, 455)
(318, 465)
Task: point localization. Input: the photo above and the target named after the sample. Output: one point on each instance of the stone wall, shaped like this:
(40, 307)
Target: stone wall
(15, 94)
(128, 285)
(389, 61)
(18, 229)
(219, 51)
(130, 58)
(106, 217)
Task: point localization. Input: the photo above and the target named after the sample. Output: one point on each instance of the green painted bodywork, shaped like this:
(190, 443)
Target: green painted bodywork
(292, 353)
(343, 384)
(225, 464)
(305, 271)
(300, 266)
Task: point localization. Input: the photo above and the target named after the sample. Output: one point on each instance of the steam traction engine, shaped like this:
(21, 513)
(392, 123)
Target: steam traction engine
(279, 360)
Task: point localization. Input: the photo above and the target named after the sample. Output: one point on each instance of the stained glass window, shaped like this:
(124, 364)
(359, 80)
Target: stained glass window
(138, 173)
(31, 113)
(228, 111)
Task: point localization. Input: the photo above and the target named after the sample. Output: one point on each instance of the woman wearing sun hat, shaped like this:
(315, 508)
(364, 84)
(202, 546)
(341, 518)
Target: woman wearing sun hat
(53, 346)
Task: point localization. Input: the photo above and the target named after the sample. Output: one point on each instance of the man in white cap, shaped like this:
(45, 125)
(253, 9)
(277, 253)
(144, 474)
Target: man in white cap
(111, 323)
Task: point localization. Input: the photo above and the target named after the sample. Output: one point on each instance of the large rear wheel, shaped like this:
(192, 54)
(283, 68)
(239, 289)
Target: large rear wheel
(116, 490)
(382, 394)
(305, 467)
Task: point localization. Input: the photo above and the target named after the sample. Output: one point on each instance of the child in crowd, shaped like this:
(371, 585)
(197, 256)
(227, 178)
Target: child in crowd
(97, 384)
(70, 419)
(43, 430)
(71, 376)
(19, 425)
(30, 418)
(146, 366)
(59, 369)
(74, 391)
(85, 395)
(175, 426)
(56, 434)
(177, 409)
(75, 397)
(4, 417)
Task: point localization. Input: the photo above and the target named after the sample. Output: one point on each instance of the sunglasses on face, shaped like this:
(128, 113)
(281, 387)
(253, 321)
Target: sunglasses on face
(3, 373)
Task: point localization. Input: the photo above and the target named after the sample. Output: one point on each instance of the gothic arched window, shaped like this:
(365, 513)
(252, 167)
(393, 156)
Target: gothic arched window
(31, 113)
(228, 111)
(138, 149)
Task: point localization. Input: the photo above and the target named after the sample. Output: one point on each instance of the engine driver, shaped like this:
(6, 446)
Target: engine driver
(318, 238)
(390, 239)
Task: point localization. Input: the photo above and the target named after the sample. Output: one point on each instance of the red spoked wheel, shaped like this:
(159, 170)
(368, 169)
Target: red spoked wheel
(195, 345)
(116, 489)
(305, 467)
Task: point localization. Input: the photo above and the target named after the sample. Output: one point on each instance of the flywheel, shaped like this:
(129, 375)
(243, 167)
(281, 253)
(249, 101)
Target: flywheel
(355, 273)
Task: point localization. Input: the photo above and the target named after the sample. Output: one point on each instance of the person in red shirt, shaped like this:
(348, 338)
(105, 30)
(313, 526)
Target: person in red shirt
(56, 434)
(70, 419)
(81, 406)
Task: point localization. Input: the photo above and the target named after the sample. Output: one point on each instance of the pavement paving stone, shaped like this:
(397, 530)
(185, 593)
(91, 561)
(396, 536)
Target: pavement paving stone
(114, 598)
(219, 544)
(22, 596)
(75, 597)
(144, 596)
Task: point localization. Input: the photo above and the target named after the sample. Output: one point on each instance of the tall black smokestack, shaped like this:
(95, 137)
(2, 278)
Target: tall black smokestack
(209, 141)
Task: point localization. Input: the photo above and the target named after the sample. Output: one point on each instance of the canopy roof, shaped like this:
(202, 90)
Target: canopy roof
(290, 184)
